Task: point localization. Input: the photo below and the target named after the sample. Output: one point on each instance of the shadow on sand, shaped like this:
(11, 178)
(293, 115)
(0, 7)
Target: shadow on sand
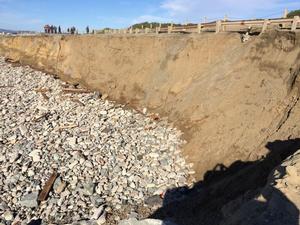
(203, 204)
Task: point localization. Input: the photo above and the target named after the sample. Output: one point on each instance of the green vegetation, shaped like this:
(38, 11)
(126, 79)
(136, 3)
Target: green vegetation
(145, 25)
(154, 24)
(294, 13)
(102, 31)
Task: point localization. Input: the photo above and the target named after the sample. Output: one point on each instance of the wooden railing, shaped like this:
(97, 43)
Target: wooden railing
(219, 26)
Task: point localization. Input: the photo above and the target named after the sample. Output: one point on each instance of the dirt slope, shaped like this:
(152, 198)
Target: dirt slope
(229, 98)
(277, 203)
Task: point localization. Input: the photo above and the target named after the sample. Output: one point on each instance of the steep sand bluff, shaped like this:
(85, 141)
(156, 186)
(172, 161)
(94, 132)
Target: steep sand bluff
(229, 98)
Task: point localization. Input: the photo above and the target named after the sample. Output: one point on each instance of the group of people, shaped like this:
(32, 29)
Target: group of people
(72, 30)
(50, 29)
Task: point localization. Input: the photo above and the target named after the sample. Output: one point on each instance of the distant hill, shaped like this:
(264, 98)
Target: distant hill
(294, 13)
(8, 31)
(15, 31)
(155, 24)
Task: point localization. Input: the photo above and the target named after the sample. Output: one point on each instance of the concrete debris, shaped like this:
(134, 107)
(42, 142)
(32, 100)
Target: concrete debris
(59, 186)
(98, 212)
(101, 151)
(8, 216)
(29, 200)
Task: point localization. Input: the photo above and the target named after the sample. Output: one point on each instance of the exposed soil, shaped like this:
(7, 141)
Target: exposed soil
(237, 103)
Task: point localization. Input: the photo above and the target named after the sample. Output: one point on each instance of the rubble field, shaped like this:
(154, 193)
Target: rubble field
(68, 155)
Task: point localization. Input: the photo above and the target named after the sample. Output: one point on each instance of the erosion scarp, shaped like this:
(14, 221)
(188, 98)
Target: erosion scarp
(235, 102)
(227, 97)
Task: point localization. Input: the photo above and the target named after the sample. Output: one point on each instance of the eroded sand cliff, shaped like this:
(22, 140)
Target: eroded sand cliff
(229, 98)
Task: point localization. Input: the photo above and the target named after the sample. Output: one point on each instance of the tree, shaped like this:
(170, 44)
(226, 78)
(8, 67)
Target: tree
(59, 29)
(155, 24)
(294, 13)
(87, 30)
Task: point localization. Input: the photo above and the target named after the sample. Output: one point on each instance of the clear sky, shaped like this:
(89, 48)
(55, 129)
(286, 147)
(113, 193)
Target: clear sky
(34, 14)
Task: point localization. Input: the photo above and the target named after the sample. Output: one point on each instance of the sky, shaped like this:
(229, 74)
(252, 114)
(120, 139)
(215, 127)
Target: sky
(97, 14)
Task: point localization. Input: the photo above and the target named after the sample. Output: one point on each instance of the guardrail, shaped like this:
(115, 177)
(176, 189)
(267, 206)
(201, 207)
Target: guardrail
(219, 26)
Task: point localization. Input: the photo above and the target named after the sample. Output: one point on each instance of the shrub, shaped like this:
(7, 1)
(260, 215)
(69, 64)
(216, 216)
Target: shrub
(156, 24)
(294, 13)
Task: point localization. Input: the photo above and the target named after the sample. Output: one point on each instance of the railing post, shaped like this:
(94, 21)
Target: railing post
(225, 18)
(199, 28)
(170, 28)
(218, 26)
(265, 26)
(295, 23)
(223, 27)
(285, 14)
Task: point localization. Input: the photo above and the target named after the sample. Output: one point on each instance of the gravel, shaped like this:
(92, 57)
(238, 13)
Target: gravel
(105, 155)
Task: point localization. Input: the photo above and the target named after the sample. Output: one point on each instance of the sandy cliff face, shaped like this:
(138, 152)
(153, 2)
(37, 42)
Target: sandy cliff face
(229, 98)
(277, 203)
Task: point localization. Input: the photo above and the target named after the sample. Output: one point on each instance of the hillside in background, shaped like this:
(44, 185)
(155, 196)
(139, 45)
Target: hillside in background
(8, 31)
(15, 31)
(156, 24)
(294, 13)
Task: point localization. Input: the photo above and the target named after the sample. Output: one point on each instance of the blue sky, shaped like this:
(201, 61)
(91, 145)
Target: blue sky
(33, 14)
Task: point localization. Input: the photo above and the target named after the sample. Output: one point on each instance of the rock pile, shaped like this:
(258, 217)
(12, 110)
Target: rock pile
(102, 153)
